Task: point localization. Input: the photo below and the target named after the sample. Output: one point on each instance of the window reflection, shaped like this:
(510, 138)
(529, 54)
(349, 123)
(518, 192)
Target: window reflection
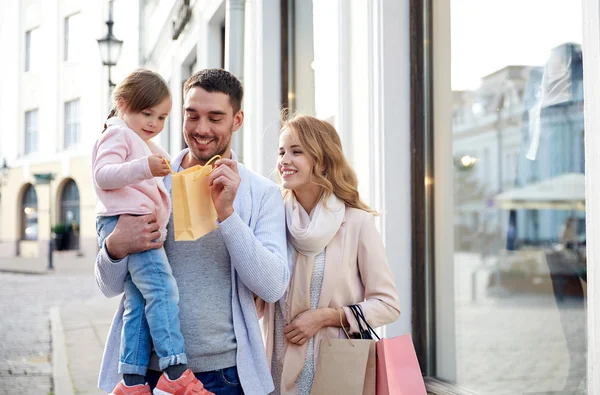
(520, 245)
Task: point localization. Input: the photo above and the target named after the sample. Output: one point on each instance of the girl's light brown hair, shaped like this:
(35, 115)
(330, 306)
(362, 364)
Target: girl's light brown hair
(331, 171)
(141, 90)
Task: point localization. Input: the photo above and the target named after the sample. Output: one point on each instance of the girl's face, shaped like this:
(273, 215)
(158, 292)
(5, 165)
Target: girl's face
(294, 165)
(149, 122)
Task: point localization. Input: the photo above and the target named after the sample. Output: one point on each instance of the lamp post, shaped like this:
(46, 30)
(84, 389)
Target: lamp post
(46, 179)
(110, 46)
(3, 178)
(3, 175)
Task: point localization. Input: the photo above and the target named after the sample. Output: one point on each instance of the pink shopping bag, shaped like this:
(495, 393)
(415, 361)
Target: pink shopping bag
(398, 371)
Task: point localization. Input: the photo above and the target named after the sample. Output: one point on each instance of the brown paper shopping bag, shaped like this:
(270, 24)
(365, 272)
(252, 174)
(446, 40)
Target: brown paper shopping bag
(345, 366)
(194, 214)
(342, 366)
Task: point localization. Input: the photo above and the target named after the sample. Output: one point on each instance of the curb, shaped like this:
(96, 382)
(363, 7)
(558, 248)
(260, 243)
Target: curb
(60, 362)
(25, 271)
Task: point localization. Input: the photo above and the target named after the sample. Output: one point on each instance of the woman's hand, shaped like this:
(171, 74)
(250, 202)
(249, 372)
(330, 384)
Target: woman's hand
(304, 326)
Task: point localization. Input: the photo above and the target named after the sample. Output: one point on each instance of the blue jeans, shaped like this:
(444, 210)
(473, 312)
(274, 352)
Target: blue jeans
(151, 313)
(221, 382)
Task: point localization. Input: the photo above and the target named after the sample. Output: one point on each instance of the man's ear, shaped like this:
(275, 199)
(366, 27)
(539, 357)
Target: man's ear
(238, 119)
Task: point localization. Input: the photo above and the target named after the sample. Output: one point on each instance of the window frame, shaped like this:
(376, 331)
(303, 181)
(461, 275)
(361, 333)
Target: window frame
(72, 123)
(31, 131)
(70, 51)
(28, 50)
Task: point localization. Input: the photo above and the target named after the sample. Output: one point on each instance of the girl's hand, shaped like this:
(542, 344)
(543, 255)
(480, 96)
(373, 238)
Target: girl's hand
(158, 166)
(304, 326)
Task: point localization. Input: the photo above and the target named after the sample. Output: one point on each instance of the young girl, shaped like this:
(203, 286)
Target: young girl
(128, 168)
(337, 256)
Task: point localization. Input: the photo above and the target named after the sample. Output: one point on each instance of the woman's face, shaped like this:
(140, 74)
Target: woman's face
(294, 165)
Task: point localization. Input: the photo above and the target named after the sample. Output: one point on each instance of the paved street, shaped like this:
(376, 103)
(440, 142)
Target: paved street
(25, 345)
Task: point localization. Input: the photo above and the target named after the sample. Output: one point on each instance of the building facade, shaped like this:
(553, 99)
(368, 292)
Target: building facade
(53, 103)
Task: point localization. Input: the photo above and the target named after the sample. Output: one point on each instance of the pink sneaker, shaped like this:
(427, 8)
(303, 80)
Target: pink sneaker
(122, 389)
(187, 384)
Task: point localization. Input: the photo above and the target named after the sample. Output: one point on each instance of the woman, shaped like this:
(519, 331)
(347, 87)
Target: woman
(336, 255)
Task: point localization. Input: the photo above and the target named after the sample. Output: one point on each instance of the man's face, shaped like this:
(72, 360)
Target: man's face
(208, 124)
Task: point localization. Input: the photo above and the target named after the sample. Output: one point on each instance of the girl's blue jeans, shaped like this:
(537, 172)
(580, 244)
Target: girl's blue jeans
(151, 309)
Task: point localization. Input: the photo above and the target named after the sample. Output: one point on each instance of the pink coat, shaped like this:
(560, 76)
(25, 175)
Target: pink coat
(122, 178)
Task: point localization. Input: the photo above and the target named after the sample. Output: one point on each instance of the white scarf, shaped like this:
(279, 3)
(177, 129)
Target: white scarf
(309, 234)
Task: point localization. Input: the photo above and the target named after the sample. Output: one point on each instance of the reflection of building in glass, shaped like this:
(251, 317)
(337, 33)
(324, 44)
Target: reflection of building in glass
(524, 124)
(552, 136)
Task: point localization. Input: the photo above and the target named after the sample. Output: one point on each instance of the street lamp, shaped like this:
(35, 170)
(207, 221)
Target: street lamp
(3, 175)
(110, 46)
(46, 179)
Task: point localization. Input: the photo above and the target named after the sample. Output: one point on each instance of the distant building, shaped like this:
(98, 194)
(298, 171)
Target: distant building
(53, 103)
(496, 125)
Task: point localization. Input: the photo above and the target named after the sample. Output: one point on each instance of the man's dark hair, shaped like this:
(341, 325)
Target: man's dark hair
(217, 80)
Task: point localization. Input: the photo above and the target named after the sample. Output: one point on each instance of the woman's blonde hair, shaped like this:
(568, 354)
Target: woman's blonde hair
(331, 171)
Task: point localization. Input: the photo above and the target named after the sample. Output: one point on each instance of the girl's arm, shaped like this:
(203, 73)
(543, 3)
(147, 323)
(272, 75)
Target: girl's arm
(111, 167)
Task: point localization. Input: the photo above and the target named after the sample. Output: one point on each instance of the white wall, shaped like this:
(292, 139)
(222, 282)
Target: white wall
(591, 70)
(262, 84)
(362, 84)
(57, 81)
(444, 192)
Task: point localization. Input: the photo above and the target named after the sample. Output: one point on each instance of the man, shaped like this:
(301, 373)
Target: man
(219, 274)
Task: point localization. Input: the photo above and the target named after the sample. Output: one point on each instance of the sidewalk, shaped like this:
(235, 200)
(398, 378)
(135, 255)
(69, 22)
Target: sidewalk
(64, 262)
(78, 343)
(78, 328)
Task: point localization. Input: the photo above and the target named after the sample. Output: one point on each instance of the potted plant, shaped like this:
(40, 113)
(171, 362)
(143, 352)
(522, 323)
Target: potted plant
(60, 236)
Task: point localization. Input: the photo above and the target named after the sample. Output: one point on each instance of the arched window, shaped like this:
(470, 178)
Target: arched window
(29, 214)
(69, 204)
(69, 214)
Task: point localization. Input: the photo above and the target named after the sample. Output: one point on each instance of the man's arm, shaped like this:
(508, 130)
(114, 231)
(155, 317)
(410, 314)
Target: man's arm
(260, 257)
(131, 234)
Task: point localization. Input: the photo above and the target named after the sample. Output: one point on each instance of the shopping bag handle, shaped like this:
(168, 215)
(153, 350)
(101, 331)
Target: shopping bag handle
(169, 165)
(358, 314)
(340, 311)
(216, 157)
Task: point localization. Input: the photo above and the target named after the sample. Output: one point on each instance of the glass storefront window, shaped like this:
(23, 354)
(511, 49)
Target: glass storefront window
(519, 202)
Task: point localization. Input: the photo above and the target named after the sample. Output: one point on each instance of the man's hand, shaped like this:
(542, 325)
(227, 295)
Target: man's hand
(304, 326)
(133, 234)
(158, 166)
(224, 182)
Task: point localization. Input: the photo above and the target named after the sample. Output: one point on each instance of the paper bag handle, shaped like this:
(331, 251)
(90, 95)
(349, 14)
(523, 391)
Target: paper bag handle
(216, 157)
(169, 165)
(340, 310)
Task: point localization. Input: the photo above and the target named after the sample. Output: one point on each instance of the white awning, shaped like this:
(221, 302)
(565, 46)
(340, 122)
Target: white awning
(565, 192)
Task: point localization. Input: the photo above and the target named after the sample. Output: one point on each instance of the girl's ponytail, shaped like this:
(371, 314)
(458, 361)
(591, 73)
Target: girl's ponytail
(112, 113)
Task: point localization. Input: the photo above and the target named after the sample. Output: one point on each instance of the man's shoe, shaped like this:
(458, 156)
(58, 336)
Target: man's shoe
(140, 389)
(187, 384)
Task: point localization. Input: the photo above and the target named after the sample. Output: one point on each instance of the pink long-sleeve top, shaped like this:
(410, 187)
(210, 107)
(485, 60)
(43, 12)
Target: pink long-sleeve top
(122, 178)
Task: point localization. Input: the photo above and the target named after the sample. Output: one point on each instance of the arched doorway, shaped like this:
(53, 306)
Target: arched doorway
(29, 214)
(69, 213)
